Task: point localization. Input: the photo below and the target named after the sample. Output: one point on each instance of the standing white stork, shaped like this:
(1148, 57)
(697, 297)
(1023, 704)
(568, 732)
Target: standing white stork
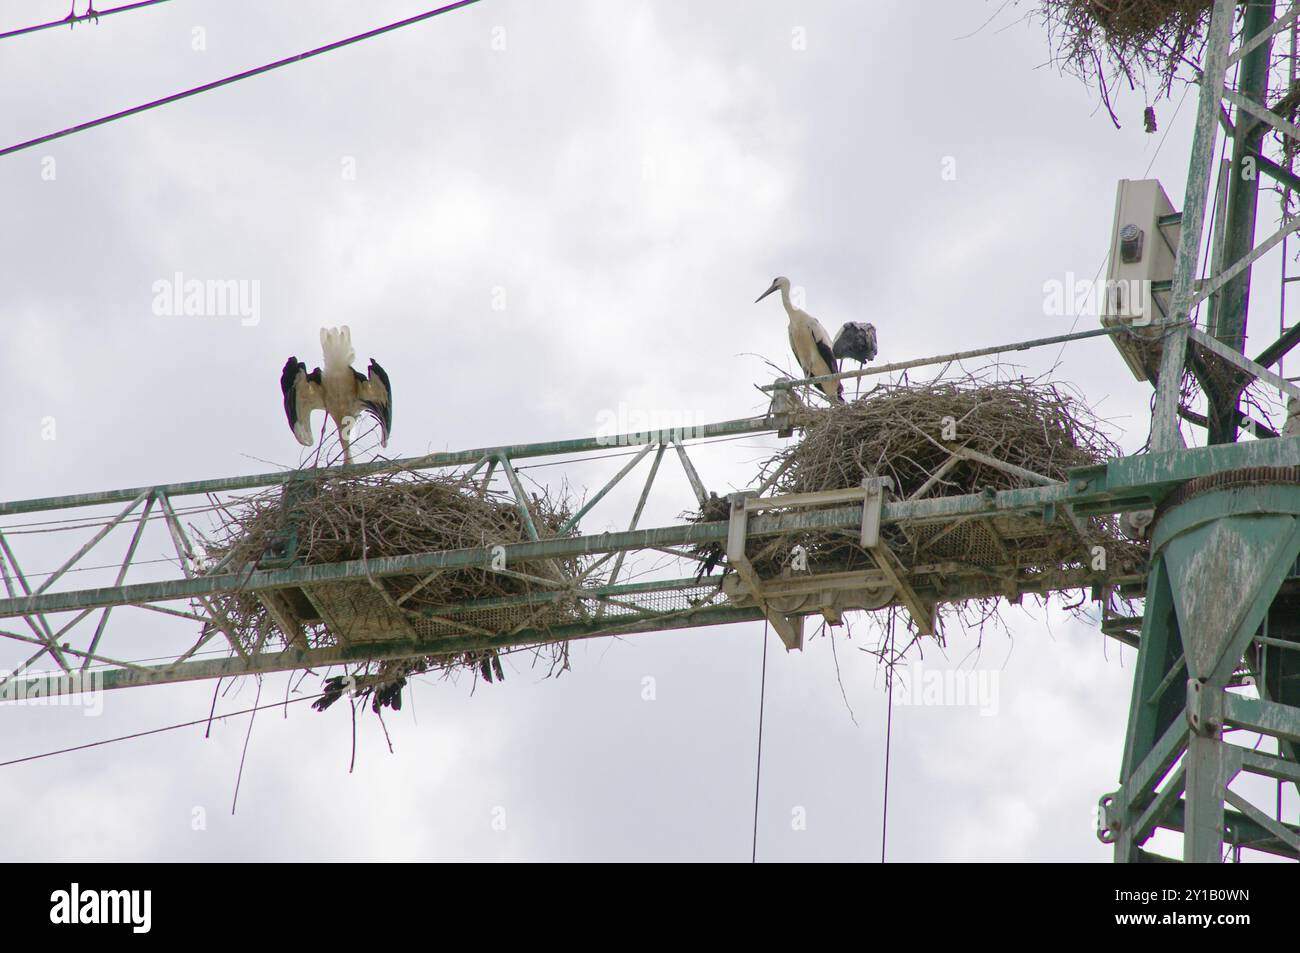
(340, 390)
(809, 341)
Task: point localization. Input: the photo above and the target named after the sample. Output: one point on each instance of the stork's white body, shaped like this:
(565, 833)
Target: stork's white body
(806, 332)
(338, 380)
(810, 343)
(337, 389)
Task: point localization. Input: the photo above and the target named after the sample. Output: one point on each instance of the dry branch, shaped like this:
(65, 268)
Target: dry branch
(1138, 43)
(390, 514)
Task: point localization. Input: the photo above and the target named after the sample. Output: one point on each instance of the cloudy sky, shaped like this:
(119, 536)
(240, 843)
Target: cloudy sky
(536, 215)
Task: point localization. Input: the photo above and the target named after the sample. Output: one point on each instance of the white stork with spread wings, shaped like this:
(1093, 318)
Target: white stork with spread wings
(340, 390)
(809, 341)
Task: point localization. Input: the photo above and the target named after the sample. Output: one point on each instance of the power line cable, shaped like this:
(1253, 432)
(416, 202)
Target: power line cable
(889, 735)
(246, 74)
(758, 769)
(72, 19)
(155, 731)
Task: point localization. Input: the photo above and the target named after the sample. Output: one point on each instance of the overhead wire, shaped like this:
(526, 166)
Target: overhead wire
(72, 19)
(154, 731)
(889, 736)
(758, 767)
(234, 78)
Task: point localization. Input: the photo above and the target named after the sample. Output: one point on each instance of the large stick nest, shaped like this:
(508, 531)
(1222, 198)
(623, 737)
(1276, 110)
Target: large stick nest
(899, 431)
(910, 433)
(389, 514)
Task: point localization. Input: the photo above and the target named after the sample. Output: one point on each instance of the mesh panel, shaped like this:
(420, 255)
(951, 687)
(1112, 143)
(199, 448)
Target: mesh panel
(1020, 542)
(355, 612)
(507, 618)
(1002, 546)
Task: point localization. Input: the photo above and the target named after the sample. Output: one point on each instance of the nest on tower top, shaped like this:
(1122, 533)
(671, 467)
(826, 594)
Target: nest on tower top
(315, 521)
(1134, 43)
(949, 438)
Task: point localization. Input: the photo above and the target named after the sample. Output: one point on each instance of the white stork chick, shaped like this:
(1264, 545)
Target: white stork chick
(809, 341)
(340, 390)
(857, 339)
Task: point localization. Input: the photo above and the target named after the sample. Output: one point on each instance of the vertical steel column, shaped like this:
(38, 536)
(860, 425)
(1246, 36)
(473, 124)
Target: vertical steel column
(1230, 307)
(1164, 417)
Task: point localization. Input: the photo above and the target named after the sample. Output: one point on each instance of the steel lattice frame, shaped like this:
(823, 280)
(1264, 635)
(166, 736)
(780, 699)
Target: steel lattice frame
(616, 607)
(1220, 556)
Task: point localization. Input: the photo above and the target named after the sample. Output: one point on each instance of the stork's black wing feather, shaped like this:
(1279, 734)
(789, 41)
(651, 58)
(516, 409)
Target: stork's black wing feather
(299, 401)
(388, 696)
(377, 371)
(828, 356)
(857, 339)
(290, 380)
(288, 377)
(334, 688)
(377, 395)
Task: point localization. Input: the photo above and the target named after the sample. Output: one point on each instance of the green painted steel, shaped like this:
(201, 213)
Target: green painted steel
(685, 534)
(1238, 829)
(431, 461)
(1229, 307)
(1268, 718)
(1219, 559)
(294, 659)
(1151, 477)
(1164, 417)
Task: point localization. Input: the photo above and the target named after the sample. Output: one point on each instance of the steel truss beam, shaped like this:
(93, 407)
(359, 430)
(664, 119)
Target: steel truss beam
(1131, 483)
(199, 583)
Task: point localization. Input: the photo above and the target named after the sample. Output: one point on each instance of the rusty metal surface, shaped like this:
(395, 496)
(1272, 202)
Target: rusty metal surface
(1250, 476)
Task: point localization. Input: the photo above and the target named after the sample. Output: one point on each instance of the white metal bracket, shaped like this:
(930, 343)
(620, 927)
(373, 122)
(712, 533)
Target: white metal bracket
(789, 628)
(875, 489)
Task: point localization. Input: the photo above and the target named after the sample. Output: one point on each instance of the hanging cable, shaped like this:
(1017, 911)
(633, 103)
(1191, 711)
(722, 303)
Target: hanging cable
(246, 74)
(72, 19)
(155, 731)
(758, 768)
(889, 733)
(240, 777)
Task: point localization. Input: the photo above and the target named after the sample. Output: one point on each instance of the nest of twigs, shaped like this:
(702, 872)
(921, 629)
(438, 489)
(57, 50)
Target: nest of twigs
(1138, 43)
(907, 432)
(1020, 433)
(314, 521)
